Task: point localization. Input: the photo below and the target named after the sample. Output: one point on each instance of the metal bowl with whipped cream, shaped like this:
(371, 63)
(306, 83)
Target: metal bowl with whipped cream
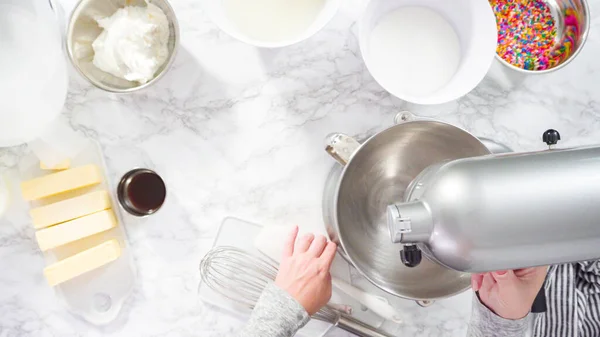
(122, 45)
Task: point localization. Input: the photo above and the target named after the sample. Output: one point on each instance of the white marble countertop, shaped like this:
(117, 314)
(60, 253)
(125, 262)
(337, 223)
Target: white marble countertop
(238, 131)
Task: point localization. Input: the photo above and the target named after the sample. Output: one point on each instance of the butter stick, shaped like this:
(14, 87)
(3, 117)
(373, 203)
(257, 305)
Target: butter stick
(82, 262)
(61, 182)
(63, 165)
(74, 230)
(69, 209)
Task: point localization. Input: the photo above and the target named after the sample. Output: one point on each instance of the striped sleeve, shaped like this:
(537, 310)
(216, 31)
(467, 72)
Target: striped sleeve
(573, 298)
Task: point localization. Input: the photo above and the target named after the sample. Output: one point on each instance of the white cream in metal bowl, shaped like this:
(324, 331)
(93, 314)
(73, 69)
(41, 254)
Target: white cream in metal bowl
(84, 29)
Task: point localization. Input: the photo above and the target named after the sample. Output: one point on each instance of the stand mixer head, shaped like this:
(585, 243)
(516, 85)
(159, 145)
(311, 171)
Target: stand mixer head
(503, 212)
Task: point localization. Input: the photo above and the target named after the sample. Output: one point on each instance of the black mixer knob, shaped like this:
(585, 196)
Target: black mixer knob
(411, 256)
(551, 137)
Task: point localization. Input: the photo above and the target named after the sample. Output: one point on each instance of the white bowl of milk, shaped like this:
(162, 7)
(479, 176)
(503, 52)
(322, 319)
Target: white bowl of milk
(271, 23)
(428, 51)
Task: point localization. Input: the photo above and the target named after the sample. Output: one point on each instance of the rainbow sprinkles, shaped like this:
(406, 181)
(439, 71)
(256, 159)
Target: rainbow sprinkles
(527, 34)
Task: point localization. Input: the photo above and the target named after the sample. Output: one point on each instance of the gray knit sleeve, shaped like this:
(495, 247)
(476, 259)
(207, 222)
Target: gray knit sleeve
(276, 314)
(485, 323)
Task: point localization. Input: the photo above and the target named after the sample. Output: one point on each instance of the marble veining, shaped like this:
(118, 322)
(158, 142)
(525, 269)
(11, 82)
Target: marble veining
(238, 131)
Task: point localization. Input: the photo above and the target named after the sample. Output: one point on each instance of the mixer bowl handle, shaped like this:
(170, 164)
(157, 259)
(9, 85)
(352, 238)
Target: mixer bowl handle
(405, 116)
(341, 147)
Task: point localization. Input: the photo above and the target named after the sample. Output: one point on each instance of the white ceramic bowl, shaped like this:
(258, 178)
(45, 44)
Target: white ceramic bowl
(83, 30)
(475, 25)
(217, 13)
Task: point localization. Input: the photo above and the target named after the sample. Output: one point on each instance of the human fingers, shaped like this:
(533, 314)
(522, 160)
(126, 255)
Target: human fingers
(476, 280)
(525, 272)
(304, 243)
(317, 246)
(534, 272)
(487, 284)
(288, 247)
(328, 255)
(505, 277)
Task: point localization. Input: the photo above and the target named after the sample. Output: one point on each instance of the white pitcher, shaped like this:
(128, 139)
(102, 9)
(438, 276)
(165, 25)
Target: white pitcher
(33, 80)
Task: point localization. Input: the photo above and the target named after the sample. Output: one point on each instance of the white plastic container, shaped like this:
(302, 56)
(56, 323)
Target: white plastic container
(475, 25)
(34, 79)
(97, 296)
(241, 234)
(218, 14)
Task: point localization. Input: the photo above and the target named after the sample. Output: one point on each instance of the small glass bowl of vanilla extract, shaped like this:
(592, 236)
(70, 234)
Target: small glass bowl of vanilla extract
(141, 192)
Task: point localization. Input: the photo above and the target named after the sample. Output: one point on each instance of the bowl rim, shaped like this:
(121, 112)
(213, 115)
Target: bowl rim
(583, 38)
(310, 32)
(100, 85)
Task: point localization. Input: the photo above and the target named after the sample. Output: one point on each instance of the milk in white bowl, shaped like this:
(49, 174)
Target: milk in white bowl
(428, 51)
(271, 23)
(414, 43)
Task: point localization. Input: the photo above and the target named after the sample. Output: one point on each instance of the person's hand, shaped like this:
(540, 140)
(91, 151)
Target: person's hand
(509, 293)
(304, 270)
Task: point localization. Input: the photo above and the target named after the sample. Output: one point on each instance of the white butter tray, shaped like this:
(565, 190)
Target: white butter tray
(96, 296)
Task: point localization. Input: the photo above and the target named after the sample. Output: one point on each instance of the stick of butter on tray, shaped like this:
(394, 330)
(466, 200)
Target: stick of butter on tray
(69, 209)
(83, 262)
(61, 182)
(74, 230)
(63, 165)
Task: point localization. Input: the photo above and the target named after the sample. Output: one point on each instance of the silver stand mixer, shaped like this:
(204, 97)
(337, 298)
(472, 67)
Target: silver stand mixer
(419, 206)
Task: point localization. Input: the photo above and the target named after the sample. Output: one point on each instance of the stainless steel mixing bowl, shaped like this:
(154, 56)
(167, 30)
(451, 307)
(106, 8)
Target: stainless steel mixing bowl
(376, 175)
(558, 8)
(83, 30)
